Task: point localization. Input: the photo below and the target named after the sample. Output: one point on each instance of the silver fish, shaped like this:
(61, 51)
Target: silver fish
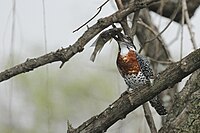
(102, 39)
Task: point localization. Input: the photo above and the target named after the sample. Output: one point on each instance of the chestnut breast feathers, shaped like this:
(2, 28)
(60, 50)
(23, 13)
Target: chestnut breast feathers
(128, 63)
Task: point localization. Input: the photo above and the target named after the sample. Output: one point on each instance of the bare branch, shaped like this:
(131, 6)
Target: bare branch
(65, 54)
(182, 25)
(99, 10)
(161, 62)
(170, 5)
(150, 29)
(186, 14)
(154, 49)
(149, 118)
(175, 38)
(130, 101)
(134, 23)
(185, 108)
(123, 23)
(172, 19)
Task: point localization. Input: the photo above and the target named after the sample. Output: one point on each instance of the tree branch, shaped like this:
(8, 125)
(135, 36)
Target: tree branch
(156, 48)
(124, 22)
(130, 101)
(186, 108)
(187, 19)
(170, 6)
(149, 118)
(65, 54)
(99, 10)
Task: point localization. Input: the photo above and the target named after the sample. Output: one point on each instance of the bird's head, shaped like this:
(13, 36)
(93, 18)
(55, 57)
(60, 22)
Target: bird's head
(124, 41)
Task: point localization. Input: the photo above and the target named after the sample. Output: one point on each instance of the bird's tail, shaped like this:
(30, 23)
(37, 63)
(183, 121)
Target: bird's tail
(156, 103)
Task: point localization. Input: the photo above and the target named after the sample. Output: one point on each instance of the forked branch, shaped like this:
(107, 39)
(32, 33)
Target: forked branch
(130, 101)
(65, 54)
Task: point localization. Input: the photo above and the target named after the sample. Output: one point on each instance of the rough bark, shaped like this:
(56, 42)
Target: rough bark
(130, 101)
(185, 113)
(166, 7)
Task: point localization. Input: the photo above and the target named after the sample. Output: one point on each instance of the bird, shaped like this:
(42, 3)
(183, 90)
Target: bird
(135, 68)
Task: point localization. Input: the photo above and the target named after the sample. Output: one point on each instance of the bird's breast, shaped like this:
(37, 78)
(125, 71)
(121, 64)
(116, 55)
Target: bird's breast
(127, 63)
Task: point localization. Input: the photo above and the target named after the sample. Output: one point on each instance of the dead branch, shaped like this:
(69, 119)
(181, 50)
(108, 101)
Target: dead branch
(65, 54)
(130, 101)
(159, 34)
(143, 35)
(170, 6)
(150, 29)
(134, 23)
(184, 115)
(99, 10)
(182, 25)
(124, 22)
(149, 118)
(161, 62)
(186, 14)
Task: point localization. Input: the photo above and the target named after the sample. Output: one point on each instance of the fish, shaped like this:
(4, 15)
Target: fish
(102, 39)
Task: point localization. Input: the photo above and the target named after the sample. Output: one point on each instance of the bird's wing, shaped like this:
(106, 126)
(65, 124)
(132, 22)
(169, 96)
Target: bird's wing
(145, 66)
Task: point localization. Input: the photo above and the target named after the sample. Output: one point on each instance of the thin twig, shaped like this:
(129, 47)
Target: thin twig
(160, 11)
(123, 22)
(149, 118)
(99, 10)
(159, 34)
(154, 32)
(134, 23)
(149, 28)
(182, 29)
(175, 37)
(161, 62)
(189, 25)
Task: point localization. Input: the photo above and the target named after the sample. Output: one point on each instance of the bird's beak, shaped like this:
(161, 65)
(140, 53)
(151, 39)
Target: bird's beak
(128, 41)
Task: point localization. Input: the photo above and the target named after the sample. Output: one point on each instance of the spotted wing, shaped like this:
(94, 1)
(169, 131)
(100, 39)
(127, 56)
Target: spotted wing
(145, 66)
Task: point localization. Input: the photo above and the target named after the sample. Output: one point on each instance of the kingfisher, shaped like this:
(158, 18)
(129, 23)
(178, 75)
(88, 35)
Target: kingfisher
(135, 68)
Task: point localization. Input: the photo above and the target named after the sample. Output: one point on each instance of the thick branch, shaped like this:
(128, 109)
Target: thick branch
(170, 5)
(130, 101)
(192, 85)
(185, 113)
(65, 54)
